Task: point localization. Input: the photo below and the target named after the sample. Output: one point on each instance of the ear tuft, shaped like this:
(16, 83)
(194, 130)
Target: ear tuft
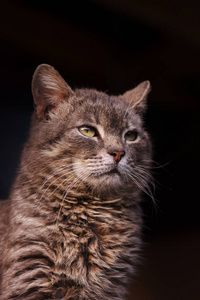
(48, 89)
(136, 98)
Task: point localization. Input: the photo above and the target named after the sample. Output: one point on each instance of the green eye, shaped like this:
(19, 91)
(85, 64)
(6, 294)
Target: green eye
(131, 135)
(87, 131)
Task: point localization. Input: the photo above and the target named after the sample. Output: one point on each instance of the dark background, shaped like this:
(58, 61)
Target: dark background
(113, 46)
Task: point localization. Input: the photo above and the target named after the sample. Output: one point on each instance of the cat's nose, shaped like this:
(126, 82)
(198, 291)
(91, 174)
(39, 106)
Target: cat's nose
(117, 155)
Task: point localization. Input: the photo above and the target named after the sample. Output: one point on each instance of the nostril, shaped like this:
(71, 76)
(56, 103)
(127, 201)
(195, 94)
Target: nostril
(117, 155)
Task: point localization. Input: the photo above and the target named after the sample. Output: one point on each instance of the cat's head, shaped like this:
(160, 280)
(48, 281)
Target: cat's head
(97, 138)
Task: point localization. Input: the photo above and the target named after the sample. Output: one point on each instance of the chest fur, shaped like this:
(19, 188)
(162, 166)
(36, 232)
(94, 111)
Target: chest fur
(90, 242)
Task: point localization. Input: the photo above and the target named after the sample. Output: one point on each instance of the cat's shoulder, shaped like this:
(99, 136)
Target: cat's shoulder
(4, 211)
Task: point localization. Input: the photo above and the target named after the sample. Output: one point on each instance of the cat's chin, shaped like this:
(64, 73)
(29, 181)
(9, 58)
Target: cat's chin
(106, 182)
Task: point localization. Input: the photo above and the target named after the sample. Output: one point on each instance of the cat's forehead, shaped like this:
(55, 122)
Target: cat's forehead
(108, 111)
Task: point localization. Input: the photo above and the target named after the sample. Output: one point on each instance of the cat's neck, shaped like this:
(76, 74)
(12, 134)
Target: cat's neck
(57, 201)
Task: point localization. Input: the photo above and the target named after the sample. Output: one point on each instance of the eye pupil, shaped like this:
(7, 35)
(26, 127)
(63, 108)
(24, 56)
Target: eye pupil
(131, 135)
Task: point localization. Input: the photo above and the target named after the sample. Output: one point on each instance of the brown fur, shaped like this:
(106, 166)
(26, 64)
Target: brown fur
(74, 223)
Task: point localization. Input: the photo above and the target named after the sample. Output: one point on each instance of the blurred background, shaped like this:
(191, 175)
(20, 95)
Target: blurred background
(113, 45)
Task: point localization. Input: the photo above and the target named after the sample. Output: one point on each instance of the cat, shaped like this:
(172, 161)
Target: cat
(72, 226)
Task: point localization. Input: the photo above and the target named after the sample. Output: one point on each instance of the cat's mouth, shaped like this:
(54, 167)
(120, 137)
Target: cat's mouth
(113, 171)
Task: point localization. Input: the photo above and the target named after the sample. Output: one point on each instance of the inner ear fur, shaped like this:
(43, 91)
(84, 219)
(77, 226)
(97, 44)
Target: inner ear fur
(48, 89)
(136, 98)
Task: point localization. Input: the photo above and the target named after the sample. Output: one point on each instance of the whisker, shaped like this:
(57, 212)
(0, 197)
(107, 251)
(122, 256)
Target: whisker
(51, 183)
(142, 181)
(43, 155)
(67, 179)
(81, 177)
(146, 175)
(60, 169)
(53, 173)
(31, 161)
(157, 165)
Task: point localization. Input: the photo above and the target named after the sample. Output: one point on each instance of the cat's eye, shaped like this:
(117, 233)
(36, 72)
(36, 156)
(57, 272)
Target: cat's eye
(88, 131)
(131, 135)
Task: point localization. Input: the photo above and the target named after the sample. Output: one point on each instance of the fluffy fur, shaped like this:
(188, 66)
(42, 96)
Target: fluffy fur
(73, 221)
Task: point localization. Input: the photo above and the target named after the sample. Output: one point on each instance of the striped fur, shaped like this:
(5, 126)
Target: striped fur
(74, 222)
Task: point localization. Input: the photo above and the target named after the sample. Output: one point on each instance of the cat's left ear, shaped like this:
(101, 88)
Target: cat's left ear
(136, 98)
(48, 89)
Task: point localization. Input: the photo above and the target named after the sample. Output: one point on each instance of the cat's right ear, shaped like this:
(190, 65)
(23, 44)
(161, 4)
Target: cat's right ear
(136, 98)
(48, 89)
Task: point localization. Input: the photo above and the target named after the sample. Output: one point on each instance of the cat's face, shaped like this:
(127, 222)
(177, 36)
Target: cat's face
(109, 142)
(99, 139)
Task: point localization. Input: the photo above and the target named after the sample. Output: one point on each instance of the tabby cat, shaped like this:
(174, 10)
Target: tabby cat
(72, 226)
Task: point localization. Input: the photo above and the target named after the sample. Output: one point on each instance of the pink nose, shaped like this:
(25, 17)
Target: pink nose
(117, 155)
